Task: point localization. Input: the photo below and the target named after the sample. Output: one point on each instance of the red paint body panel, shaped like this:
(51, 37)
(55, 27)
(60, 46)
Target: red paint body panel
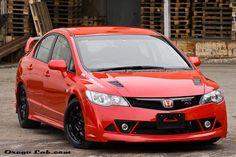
(49, 92)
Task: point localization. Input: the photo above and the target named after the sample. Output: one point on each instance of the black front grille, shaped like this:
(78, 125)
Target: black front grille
(157, 103)
(151, 128)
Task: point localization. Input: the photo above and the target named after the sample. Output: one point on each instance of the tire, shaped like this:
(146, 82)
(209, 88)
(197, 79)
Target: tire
(74, 126)
(23, 110)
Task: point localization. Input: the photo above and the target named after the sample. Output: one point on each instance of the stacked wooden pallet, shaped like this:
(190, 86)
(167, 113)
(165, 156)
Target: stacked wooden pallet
(65, 13)
(92, 21)
(180, 18)
(197, 19)
(2, 24)
(233, 5)
(211, 19)
(41, 18)
(152, 14)
(19, 20)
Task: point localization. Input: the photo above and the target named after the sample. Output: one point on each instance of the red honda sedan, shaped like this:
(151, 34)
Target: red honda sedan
(102, 84)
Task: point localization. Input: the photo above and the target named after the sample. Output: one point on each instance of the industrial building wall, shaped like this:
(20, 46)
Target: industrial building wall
(123, 12)
(222, 50)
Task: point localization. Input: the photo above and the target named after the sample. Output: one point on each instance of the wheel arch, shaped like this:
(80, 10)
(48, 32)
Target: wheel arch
(72, 96)
(85, 108)
(76, 94)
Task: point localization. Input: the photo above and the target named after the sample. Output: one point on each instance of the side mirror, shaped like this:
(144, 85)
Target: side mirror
(57, 65)
(30, 44)
(195, 60)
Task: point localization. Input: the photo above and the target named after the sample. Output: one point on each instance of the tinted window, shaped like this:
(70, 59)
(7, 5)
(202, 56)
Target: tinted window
(44, 48)
(62, 50)
(113, 51)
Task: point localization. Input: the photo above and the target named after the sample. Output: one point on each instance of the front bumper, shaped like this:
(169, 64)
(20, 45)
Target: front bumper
(100, 119)
(163, 138)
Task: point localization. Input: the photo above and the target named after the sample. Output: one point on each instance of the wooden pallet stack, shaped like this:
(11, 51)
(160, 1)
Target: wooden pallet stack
(152, 14)
(197, 19)
(218, 21)
(180, 18)
(233, 33)
(92, 21)
(211, 19)
(40, 15)
(19, 19)
(2, 24)
(65, 13)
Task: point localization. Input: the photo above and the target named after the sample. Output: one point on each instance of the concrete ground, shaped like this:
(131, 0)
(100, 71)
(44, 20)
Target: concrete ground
(48, 139)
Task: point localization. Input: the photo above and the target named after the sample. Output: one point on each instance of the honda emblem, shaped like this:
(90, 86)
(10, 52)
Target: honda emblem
(168, 103)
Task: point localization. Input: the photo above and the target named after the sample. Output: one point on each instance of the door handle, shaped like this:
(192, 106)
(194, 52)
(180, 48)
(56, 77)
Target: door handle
(47, 73)
(30, 67)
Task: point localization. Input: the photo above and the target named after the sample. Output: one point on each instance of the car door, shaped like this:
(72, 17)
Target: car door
(36, 68)
(56, 85)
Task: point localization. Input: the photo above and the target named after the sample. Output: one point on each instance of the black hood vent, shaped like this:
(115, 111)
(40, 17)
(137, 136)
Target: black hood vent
(116, 83)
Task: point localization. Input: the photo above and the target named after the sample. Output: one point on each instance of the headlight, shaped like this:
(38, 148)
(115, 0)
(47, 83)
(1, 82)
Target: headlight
(214, 96)
(106, 99)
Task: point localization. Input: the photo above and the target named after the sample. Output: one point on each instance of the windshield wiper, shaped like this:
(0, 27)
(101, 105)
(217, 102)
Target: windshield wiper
(130, 68)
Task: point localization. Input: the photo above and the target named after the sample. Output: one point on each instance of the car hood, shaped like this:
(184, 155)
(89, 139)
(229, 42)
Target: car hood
(153, 84)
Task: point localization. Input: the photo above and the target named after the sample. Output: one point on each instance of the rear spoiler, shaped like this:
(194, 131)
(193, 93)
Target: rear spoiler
(30, 43)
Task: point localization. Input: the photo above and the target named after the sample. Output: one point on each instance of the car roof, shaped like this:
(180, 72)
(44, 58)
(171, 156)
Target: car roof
(106, 30)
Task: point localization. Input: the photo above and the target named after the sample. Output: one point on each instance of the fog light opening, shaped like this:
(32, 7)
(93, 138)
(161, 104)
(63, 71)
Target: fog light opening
(125, 127)
(207, 124)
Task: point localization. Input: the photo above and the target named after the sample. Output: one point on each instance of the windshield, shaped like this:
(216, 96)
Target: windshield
(117, 52)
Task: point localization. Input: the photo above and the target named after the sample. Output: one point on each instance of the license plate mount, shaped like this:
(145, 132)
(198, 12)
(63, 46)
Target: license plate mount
(170, 121)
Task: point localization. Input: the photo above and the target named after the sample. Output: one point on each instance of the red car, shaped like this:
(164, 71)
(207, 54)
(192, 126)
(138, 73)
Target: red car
(102, 84)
